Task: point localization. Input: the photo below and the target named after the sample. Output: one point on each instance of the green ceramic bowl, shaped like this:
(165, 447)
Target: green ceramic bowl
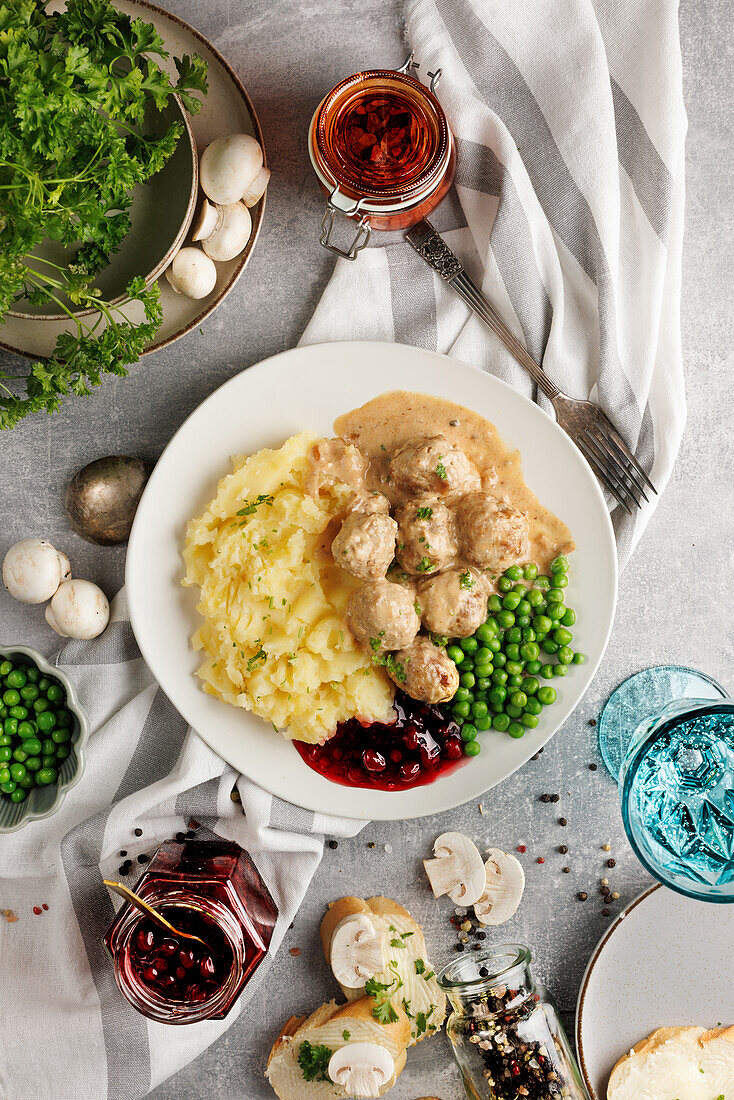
(44, 801)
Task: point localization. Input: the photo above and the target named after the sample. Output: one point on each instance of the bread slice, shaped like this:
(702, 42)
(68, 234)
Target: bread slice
(677, 1063)
(332, 1026)
(420, 993)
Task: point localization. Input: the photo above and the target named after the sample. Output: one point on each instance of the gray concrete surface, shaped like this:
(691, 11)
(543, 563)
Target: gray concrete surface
(674, 601)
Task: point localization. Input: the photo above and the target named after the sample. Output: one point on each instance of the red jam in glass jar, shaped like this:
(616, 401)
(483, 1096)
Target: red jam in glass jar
(209, 889)
(383, 153)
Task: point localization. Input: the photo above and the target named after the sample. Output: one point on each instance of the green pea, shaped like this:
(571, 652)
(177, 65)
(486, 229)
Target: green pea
(555, 612)
(533, 706)
(16, 679)
(524, 608)
(59, 736)
(514, 572)
(484, 682)
(33, 674)
(469, 645)
(549, 646)
(472, 748)
(530, 721)
(530, 571)
(513, 635)
(565, 655)
(20, 755)
(560, 580)
(462, 694)
(64, 718)
(18, 795)
(468, 732)
(530, 651)
(510, 602)
(514, 682)
(47, 761)
(504, 584)
(560, 670)
(483, 724)
(48, 746)
(512, 710)
(569, 618)
(512, 652)
(8, 786)
(559, 564)
(562, 636)
(499, 676)
(483, 671)
(55, 693)
(28, 782)
(486, 632)
(547, 672)
(19, 712)
(579, 659)
(40, 705)
(44, 683)
(494, 603)
(555, 595)
(542, 624)
(461, 710)
(11, 697)
(6, 667)
(468, 680)
(5, 754)
(523, 621)
(4, 774)
(500, 660)
(498, 695)
(32, 746)
(543, 583)
(516, 730)
(530, 685)
(535, 598)
(3, 711)
(501, 722)
(26, 729)
(33, 764)
(46, 776)
(62, 752)
(505, 619)
(17, 772)
(10, 726)
(494, 646)
(29, 693)
(518, 699)
(514, 668)
(479, 709)
(46, 721)
(455, 653)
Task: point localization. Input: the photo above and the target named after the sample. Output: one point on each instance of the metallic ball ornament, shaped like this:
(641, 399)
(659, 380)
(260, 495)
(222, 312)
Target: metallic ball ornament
(102, 498)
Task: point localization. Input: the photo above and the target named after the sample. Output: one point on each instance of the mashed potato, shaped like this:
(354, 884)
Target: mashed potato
(273, 605)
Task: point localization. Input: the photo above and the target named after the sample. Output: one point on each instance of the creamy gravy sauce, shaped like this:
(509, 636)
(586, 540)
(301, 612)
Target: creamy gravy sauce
(381, 425)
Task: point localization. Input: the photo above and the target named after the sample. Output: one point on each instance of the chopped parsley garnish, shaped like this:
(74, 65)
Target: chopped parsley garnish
(439, 640)
(424, 513)
(259, 658)
(406, 1009)
(420, 968)
(421, 1021)
(346, 1035)
(251, 505)
(314, 1061)
(466, 581)
(383, 1009)
(424, 565)
(406, 935)
(397, 943)
(441, 469)
(393, 666)
(417, 608)
(376, 643)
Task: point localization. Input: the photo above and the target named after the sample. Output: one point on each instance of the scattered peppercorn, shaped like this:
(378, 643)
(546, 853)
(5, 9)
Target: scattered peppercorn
(123, 852)
(180, 838)
(563, 848)
(142, 858)
(535, 756)
(555, 798)
(190, 834)
(193, 824)
(592, 721)
(521, 848)
(37, 910)
(540, 859)
(370, 844)
(562, 821)
(122, 870)
(460, 946)
(44, 906)
(333, 844)
(593, 767)
(545, 798)
(615, 895)
(582, 895)
(611, 863)
(606, 847)
(605, 882)
(235, 795)
(481, 935)
(294, 951)
(477, 947)
(566, 870)
(138, 832)
(605, 912)
(483, 972)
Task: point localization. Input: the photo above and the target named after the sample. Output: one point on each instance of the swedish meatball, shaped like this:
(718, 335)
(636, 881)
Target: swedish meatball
(367, 502)
(492, 534)
(433, 465)
(381, 616)
(454, 603)
(365, 545)
(426, 536)
(335, 462)
(425, 672)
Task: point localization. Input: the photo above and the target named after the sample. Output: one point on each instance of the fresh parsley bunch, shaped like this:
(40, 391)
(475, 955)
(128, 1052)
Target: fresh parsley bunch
(75, 87)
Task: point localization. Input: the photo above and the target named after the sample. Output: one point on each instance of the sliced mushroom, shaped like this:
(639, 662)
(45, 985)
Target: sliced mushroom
(457, 870)
(503, 889)
(257, 188)
(230, 233)
(33, 569)
(205, 221)
(78, 609)
(361, 1069)
(192, 273)
(229, 167)
(357, 951)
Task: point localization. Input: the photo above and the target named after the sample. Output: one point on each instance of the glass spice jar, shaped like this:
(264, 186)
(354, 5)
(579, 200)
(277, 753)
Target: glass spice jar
(212, 890)
(505, 1030)
(383, 152)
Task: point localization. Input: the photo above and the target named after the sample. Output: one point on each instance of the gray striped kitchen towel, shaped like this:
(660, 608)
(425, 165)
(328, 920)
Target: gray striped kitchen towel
(570, 128)
(68, 1034)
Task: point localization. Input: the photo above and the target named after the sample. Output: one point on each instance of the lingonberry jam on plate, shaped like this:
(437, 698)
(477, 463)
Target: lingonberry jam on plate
(420, 745)
(178, 968)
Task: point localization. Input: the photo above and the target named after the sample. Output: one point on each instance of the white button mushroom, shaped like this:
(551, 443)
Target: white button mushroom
(357, 951)
(257, 188)
(362, 1069)
(457, 870)
(229, 234)
(503, 889)
(33, 569)
(192, 273)
(78, 609)
(205, 221)
(229, 167)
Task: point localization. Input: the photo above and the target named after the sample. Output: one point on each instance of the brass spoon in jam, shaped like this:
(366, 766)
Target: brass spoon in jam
(148, 911)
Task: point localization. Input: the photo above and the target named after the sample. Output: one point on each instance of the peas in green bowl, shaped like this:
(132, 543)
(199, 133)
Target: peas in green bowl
(43, 730)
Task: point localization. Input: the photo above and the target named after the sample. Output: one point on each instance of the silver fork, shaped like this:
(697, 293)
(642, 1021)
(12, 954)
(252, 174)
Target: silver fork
(588, 426)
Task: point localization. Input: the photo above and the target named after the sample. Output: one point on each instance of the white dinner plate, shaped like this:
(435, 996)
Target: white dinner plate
(307, 388)
(665, 962)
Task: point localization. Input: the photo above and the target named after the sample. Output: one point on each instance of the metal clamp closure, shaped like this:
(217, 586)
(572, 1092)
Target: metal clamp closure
(348, 208)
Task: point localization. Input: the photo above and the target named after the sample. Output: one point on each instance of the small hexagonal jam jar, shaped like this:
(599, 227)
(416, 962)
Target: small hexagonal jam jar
(208, 889)
(383, 153)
